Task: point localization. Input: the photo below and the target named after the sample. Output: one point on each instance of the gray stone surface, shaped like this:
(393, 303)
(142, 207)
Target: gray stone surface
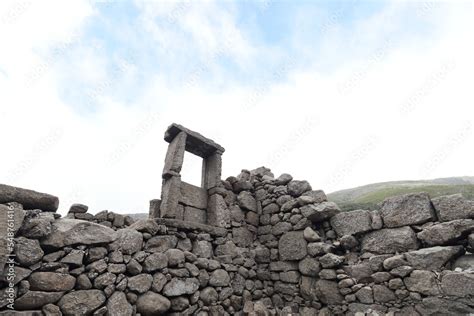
(151, 304)
(177, 287)
(408, 209)
(459, 284)
(353, 222)
(82, 302)
(247, 201)
(175, 156)
(51, 281)
(27, 251)
(447, 232)
(423, 282)
(29, 199)
(218, 213)
(433, 258)
(129, 241)
(67, 232)
(118, 305)
(451, 207)
(292, 246)
(320, 212)
(32, 300)
(390, 240)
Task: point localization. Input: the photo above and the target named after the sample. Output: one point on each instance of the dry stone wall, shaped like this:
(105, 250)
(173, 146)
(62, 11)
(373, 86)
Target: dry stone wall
(285, 250)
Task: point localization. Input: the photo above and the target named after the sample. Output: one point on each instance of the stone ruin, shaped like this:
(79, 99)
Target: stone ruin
(254, 244)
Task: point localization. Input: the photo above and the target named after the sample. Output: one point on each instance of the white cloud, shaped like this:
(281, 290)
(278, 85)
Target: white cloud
(301, 122)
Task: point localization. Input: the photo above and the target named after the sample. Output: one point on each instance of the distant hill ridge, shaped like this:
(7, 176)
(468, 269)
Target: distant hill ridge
(369, 196)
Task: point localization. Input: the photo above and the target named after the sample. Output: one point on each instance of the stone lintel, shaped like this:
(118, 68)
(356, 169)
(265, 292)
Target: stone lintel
(195, 142)
(215, 231)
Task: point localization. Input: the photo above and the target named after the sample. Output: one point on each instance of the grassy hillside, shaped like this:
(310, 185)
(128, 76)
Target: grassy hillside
(369, 196)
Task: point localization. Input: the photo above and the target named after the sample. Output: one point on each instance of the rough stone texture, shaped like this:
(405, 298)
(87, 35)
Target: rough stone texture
(447, 232)
(423, 282)
(175, 156)
(78, 208)
(218, 213)
(292, 246)
(350, 223)
(460, 284)
(81, 302)
(247, 201)
(451, 207)
(151, 304)
(320, 212)
(67, 232)
(51, 281)
(118, 305)
(129, 241)
(433, 258)
(28, 251)
(390, 240)
(36, 299)
(177, 287)
(297, 188)
(328, 292)
(29, 199)
(408, 209)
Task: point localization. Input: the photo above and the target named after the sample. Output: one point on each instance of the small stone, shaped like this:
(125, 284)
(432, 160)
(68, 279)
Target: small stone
(310, 235)
(140, 283)
(297, 188)
(78, 208)
(219, 277)
(151, 304)
(331, 260)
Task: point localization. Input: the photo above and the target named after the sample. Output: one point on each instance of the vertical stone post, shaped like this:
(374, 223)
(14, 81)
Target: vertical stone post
(170, 192)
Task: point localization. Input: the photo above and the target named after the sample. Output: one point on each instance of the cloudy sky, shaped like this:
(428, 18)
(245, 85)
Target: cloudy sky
(340, 93)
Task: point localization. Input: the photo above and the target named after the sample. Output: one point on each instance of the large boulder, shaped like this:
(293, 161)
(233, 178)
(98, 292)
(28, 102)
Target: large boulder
(28, 251)
(68, 232)
(37, 224)
(82, 302)
(247, 201)
(29, 199)
(118, 305)
(408, 209)
(447, 232)
(460, 284)
(51, 281)
(390, 240)
(451, 207)
(350, 223)
(151, 304)
(129, 241)
(32, 300)
(433, 258)
(292, 246)
(320, 212)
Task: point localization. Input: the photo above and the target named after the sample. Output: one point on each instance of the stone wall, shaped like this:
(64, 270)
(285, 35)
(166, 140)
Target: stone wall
(285, 250)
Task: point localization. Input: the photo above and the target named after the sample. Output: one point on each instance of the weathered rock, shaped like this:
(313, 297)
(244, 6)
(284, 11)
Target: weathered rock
(309, 266)
(353, 222)
(209, 295)
(67, 232)
(460, 284)
(361, 272)
(349, 242)
(155, 261)
(328, 292)
(140, 283)
(423, 282)
(247, 201)
(51, 310)
(444, 233)
(146, 226)
(320, 212)
(390, 240)
(29, 199)
(408, 209)
(331, 260)
(310, 235)
(161, 243)
(81, 302)
(365, 295)
(433, 258)
(32, 300)
(28, 251)
(296, 188)
(118, 305)
(74, 258)
(151, 304)
(37, 225)
(440, 306)
(451, 207)
(177, 287)
(51, 282)
(318, 195)
(78, 208)
(292, 246)
(129, 241)
(242, 237)
(219, 277)
(383, 294)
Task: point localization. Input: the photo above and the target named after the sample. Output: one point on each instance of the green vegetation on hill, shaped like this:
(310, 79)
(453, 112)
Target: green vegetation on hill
(369, 196)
